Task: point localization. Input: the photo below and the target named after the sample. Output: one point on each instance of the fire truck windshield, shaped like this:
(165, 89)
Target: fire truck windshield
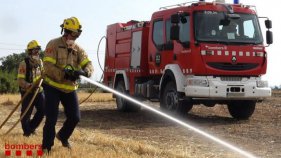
(212, 26)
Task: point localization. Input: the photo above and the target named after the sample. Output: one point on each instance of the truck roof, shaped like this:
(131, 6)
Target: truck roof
(212, 6)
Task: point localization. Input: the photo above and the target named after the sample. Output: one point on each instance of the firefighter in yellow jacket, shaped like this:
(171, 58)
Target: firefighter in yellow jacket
(28, 73)
(64, 61)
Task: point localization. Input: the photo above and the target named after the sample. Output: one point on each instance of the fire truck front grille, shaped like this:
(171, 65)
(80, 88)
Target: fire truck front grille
(232, 67)
(231, 78)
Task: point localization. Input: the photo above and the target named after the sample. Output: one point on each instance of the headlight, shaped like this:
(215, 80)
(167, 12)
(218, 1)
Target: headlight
(197, 82)
(262, 84)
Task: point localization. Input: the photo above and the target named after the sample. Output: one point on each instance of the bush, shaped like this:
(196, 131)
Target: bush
(8, 82)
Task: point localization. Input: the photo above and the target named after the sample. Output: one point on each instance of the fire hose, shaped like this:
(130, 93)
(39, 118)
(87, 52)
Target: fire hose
(29, 90)
(37, 85)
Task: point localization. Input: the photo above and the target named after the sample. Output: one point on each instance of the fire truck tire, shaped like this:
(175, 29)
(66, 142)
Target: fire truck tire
(185, 107)
(170, 100)
(241, 110)
(122, 104)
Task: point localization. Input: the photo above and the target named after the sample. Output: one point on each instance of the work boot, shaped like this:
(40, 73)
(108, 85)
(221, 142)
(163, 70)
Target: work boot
(64, 143)
(26, 134)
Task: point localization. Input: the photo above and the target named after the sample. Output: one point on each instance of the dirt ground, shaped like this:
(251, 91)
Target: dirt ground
(260, 135)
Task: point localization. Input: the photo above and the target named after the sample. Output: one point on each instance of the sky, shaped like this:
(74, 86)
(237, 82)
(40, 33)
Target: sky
(23, 21)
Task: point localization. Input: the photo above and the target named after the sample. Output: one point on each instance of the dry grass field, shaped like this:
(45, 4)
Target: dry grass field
(105, 132)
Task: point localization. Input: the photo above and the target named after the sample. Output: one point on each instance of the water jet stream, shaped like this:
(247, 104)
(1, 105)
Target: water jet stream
(209, 136)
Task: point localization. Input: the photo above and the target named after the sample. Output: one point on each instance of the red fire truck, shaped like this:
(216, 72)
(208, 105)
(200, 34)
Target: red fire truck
(191, 53)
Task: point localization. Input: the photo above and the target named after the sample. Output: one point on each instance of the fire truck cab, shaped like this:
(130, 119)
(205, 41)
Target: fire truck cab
(192, 53)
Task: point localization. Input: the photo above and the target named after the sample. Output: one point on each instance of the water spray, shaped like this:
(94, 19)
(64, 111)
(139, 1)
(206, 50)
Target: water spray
(209, 136)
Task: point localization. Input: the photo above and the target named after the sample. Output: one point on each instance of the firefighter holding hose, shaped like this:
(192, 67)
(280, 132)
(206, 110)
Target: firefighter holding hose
(29, 72)
(64, 61)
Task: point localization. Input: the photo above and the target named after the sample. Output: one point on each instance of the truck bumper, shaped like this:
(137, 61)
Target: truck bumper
(228, 88)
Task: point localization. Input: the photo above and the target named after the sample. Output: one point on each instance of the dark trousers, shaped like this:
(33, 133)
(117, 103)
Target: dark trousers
(71, 110)
(29, 125)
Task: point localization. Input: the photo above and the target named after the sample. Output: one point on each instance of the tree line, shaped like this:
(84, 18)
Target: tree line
(8, 71)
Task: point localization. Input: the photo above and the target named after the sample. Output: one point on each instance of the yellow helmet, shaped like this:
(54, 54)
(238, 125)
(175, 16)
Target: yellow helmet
(33, 44)
(71, 24)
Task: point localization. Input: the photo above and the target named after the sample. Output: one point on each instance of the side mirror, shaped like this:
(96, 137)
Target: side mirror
(183, 19)
(175, 18)
(269, 37)
(268, 24)
(175, 32)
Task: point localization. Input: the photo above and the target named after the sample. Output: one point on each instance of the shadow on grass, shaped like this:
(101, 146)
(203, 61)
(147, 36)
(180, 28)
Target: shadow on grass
(113, 119)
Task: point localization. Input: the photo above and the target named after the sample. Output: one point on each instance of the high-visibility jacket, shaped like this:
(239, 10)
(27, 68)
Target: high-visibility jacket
(29, 73)
(56, 57)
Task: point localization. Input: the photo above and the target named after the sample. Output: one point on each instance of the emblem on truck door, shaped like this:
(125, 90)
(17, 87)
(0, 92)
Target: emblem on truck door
(233, 59)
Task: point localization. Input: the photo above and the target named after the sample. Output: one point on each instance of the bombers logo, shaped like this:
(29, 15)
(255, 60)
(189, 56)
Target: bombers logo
(17, 150)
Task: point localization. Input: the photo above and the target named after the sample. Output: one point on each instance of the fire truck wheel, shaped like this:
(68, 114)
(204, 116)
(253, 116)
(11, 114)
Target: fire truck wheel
(170, 100)
(122, 104)
(241, 110)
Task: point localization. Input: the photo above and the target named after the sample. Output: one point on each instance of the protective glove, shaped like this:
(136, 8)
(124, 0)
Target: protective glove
(88, 73)
(77, 73)
(73, 75)
(70, 75)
